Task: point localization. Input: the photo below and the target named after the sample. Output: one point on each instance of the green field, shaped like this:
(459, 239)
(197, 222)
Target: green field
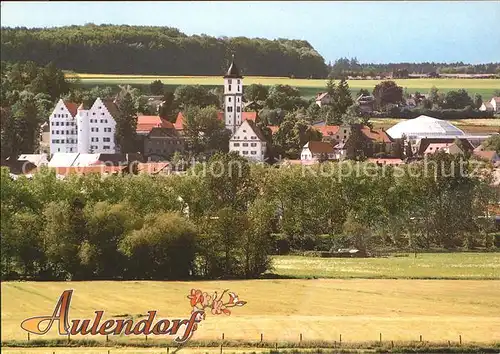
(425, 266)
(308, 88)
(320, 309)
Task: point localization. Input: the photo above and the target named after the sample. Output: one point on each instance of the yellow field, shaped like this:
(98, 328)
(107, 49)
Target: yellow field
(265, 80)
(360, 309)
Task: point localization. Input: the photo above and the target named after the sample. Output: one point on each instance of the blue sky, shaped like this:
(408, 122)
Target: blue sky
(371, 31)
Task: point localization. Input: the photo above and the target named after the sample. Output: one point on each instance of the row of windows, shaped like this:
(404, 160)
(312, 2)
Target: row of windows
(251, 152)
(245, 144)
(230, 109)
(96, 140)
(166, 142)
(100, 121)
(65, 115)
(238, 88)
(229, 81)
(62, 124)
(67, 141)
(104, 147)
(253, 137)
(68, 132)
(93, 113)
(238, 99)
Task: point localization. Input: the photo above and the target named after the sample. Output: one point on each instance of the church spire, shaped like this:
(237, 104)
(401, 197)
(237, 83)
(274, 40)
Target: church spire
(233, 71)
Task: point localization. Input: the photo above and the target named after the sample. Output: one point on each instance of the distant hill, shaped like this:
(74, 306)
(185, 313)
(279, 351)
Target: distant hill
(121, 49)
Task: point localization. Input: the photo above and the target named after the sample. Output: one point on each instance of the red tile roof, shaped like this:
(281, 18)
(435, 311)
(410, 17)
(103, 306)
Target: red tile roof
(72, 107)
(102, 169)
(152, 167)
(486, 155)
(378, 135)
(179, 122)
(249, 116)
(328, 130)
(146, 123)
(274, 128)
(386, 161)
(320, 147)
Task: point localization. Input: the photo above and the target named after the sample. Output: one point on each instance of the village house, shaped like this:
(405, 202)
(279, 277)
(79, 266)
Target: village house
(366, 103)
(248, 141)
(486, 155)
(448, 145)
(492, 105)
(317, 150)
(323, 98)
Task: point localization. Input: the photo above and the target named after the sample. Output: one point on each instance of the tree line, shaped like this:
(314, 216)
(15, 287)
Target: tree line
(122, 49)
(343, 67)
(226, 216)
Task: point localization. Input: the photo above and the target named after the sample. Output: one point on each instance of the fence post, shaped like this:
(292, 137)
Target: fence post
(261, 337)
(380, 338)
(460, 338)
(392, 344)
(276, 345)
(420, 337)
(107, 338)
(222, 335)
(340, 339)
(28, 336)
(301, 337)
(146, 337)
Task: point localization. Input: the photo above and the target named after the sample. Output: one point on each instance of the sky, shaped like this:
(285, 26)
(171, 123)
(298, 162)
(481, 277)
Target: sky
(374, 32)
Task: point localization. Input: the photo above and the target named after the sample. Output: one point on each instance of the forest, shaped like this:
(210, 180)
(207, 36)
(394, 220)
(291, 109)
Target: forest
(157, 50)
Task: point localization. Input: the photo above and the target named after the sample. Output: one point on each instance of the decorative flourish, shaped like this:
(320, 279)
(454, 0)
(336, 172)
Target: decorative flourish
(202, 301)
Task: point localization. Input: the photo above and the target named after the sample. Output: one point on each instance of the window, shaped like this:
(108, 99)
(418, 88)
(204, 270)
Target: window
(70, 149)
(238, 88)
(229, 99)
(67, 124)
(102, 113)
(106, 147)
(67, 132)
(244, 131)
(245, 144)
(229, 109)
(236, 144)
(94, 140)
(52, 132)
(229, 88)
(245, 152)
(107, 130)
(238, 82)
(345, 131)
(58, 149)
(238, 99)
(62, 108)
(99, 107)
(229, 81)
(106, 140)
(238, 109)
(253, 144)
(253, 137)
(93, 113)
(253, 152)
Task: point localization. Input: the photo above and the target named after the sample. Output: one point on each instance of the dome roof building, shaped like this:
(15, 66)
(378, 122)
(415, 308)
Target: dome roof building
(424, 127)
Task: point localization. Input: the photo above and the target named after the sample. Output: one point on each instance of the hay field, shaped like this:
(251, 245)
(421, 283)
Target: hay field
(308, 87)
(320, 309)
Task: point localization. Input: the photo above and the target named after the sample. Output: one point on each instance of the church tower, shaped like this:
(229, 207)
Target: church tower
(233, 97)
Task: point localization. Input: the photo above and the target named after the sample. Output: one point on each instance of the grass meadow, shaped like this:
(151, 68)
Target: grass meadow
(308, 87)
(357, 308)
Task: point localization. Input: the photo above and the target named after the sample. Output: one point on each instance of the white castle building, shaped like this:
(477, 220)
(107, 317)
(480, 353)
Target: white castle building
(76, 129)
(247, 139)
